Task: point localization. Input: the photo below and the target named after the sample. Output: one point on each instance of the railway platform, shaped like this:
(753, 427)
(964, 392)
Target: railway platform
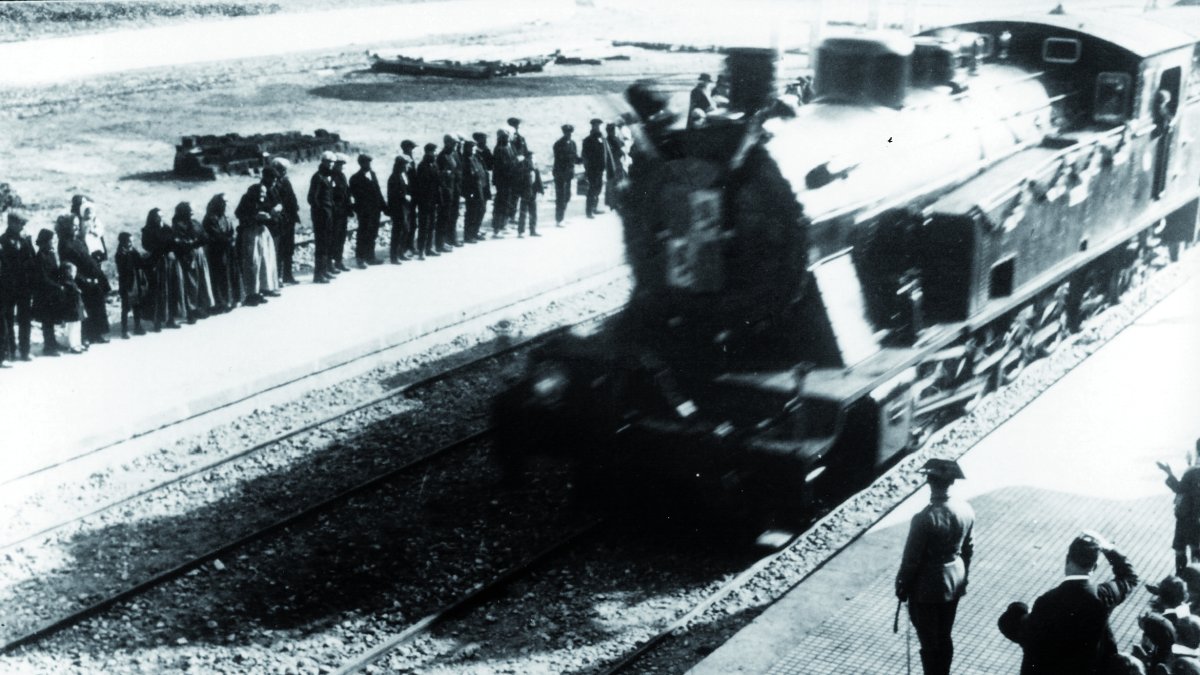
(55, 409)
(1081, 456)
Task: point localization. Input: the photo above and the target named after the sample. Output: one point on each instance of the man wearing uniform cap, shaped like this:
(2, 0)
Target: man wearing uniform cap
(450, 170)
(566, 156)
(320, 203)
(342, 206)
(368, 207)
(936, 562)
(427, 190)
(1067, 631)
(504, 168)
(597, 161)
(476, 192)
(16, 290)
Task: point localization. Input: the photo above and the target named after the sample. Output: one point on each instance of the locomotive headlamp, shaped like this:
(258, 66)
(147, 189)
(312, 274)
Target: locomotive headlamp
(549, 383)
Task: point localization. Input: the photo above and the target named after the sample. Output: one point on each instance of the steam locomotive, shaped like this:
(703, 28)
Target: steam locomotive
(819, 287)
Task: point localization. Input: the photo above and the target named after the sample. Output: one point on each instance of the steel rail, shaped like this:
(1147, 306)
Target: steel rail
(55, 625)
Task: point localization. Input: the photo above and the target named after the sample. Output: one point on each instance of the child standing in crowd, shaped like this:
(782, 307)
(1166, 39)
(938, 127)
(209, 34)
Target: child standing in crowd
(131, 282)
(72, 308)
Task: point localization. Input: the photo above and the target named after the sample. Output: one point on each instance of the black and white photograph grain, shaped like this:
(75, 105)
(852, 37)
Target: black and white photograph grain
(600, 337)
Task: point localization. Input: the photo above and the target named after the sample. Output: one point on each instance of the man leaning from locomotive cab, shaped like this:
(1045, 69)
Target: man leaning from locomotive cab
(937, 560)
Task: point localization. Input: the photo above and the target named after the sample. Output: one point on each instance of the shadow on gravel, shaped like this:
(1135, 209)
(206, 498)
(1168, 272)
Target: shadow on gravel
(162, 177)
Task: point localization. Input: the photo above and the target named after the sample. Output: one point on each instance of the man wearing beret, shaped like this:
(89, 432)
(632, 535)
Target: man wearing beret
(368, 207)
(16, 291)
(1067, 631)
(597, 161)
(566, 156)
(937, 559)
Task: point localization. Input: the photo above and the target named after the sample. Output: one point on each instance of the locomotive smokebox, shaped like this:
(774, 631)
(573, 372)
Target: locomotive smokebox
(752, 78)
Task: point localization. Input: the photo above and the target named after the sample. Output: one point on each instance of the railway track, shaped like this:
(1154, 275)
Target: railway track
(276, 525)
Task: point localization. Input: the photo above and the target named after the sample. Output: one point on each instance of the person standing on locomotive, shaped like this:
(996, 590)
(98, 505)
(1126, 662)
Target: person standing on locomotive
(1164, 121)
(700, 99)
(566, 156)
(1187, 510)
(936, 562)
(597, 161)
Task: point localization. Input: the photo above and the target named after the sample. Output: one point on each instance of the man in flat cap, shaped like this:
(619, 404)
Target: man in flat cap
(936, 562)
(504, 169)
(342, 207)
(427, 193)
(406, 149)
(399, 208)
(368, 207)
(700, 98)
(597, 161)
(520, 147)
(1067, 631)
(566, 156)
(320, 203)
(450, 169)
(476, 192)
(16, 289)
(1187, 509)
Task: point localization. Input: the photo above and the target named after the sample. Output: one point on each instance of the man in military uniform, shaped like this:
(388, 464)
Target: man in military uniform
(320, 203)
(16, 291)
(368, 207)
(937, 559)
(1187, 510)
(427, 190)
(597, 161)
(566, 156)
(504, 168)
(450, 171)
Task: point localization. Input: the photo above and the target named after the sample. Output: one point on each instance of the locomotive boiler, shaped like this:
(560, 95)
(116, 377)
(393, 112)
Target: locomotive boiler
(818, 287)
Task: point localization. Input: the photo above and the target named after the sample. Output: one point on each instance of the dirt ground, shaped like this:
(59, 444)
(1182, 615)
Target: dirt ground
(119, 148)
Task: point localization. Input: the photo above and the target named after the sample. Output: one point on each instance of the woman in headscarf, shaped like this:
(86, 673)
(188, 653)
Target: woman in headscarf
(47, 291)
(197, 284)
(259, 269)
(93, 283)
(159, 241)
(221, 248)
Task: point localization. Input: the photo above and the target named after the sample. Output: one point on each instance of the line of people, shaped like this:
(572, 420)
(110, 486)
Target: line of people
(194, 268)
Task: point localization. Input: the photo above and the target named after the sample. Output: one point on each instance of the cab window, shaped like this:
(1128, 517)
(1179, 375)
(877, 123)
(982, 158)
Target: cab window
(1112, 97)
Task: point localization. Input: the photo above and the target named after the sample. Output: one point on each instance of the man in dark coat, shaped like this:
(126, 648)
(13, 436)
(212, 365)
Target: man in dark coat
(597, 161)
(481, 149)
(504, 163)
(285, 243)
(1187, 511)
(399, 206)
(450, 184)
(476, 192)
(406, 148)
(700, 99)
(527, 184)
(566, 156)
(937, 559)
(427, 194)
(93, 285)
(320, 203)
(16, 298)
(341, 216)
(1067, 631)
(47, 291)
(520, 147)
(368, 207)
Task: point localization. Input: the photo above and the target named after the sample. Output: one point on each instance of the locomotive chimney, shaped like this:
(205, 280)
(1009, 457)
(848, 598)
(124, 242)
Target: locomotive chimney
(752, 78)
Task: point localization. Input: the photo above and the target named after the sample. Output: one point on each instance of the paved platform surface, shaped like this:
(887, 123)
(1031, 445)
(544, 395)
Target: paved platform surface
(1081, 456)
(54, 409)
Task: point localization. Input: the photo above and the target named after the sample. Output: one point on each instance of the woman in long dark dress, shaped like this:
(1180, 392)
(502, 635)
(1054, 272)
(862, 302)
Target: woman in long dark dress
(221, 248)
(189, 240)
(47, 291)
(159, 241)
